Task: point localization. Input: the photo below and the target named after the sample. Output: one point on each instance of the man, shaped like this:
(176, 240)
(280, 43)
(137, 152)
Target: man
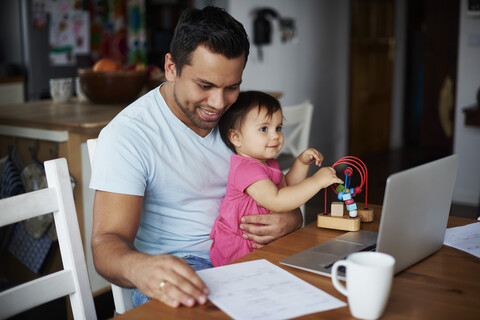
(160, 169)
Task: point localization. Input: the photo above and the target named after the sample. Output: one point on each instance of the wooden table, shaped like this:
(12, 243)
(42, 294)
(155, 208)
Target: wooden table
(69, 124)
(445, 285)
(56, 130)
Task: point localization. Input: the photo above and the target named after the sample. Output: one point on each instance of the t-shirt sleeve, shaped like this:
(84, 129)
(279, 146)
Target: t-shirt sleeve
(248, 173)
(117, 166)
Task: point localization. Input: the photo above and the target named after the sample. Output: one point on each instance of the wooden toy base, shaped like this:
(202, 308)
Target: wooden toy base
(366, 214)
(338, 223)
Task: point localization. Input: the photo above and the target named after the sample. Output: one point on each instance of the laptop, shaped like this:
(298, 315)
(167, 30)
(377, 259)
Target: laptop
(414, 219)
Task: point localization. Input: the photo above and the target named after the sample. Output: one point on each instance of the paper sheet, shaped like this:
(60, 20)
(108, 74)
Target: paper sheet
(466, 238)
(261, 290)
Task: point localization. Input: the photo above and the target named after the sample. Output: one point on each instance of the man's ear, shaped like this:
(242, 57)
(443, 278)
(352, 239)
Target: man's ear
(234, 137)
(170, 68)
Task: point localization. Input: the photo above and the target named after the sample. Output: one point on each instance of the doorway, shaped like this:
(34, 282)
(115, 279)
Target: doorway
(430, 75)
(372, 48)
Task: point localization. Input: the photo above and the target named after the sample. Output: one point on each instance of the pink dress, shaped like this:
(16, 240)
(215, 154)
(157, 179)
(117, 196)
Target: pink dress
(228, 243)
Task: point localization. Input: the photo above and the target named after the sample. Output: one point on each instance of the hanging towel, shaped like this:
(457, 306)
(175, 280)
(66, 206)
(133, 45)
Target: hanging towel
(10, 185)
(31, 252)
(33, 178)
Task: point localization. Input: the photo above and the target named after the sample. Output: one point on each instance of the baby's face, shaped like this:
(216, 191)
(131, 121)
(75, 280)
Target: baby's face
(260, 136)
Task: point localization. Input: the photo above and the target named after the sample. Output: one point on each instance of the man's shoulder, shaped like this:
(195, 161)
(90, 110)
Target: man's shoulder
(143, 113)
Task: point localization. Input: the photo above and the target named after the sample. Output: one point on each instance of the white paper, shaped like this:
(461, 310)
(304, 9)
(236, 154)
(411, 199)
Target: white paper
(261, 290)
(466, 238)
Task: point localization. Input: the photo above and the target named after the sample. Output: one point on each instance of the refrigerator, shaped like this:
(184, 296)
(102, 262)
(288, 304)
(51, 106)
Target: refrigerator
(25, 49)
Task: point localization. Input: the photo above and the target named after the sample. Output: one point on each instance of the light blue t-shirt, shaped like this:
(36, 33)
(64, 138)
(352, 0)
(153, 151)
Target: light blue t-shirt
(147, 151)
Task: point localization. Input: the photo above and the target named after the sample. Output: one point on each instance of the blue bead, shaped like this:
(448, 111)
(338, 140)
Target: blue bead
(346, 196)
(351, 207)
(340, 195)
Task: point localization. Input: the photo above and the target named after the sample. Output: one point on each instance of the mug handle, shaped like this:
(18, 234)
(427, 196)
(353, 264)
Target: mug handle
(335, 281)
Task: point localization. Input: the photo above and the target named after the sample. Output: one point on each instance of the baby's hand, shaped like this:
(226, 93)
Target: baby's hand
(327, 176)
(310, 155)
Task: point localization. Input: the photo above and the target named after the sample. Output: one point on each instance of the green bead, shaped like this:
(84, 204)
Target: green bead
(340, 187)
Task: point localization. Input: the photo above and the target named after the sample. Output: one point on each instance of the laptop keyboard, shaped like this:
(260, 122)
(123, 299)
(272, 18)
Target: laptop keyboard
(373, 247)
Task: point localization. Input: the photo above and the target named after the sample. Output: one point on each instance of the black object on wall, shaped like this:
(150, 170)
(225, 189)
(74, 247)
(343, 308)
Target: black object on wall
(262, 28)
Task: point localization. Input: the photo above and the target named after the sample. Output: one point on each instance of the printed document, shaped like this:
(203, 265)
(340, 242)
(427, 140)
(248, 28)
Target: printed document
(261, 290)
(465, 238)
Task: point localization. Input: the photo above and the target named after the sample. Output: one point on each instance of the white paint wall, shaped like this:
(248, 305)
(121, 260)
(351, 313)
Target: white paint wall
(467, 138)
(313, 67)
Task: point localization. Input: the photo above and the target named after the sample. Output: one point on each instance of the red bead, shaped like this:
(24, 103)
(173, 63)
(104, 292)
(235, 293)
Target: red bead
(349, 201)
(348, 172)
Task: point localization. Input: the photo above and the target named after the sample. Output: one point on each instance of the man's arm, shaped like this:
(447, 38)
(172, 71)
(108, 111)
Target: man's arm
(116, 218)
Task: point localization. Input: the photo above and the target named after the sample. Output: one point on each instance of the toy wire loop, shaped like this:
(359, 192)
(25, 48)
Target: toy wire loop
(361, 168)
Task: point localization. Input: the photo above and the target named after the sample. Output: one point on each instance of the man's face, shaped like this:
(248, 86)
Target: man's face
(205, 89)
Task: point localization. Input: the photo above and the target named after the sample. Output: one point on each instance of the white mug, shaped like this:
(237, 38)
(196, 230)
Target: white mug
(61, 89)
(369, 277)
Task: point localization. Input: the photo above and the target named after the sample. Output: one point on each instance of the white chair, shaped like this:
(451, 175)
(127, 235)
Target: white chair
(121, 296)
(296, 129)
(73, 279)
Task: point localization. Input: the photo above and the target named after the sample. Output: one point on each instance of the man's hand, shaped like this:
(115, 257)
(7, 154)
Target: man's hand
(163, 277)
(170, 280)
(265, 228)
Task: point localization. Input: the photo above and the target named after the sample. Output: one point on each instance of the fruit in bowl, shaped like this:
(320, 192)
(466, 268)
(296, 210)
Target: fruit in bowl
(106, 84)
(106, 64)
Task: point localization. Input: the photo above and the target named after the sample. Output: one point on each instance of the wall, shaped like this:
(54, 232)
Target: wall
(467, 138)
(315, 66)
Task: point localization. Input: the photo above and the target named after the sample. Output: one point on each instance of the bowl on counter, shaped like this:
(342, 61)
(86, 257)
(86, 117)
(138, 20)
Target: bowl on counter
(112, 87)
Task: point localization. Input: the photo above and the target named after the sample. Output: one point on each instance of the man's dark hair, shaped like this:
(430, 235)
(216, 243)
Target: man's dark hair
(211, 27)
(234, 116)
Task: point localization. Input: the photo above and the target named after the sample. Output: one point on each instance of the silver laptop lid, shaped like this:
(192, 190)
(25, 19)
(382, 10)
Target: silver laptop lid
(415, 211)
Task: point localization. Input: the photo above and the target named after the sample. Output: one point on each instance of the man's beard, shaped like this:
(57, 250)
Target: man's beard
(193, 117)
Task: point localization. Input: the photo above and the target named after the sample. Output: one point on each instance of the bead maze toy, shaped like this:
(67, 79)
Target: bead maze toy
(337, 219)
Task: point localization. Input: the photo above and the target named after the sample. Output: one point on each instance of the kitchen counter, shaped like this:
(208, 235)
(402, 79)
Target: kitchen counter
(69, 124)
(57, 130)
(73, 116)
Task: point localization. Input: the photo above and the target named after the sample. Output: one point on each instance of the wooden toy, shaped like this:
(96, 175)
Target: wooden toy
(345, 193)
(337, 209)
(366, 214)
(338, 223)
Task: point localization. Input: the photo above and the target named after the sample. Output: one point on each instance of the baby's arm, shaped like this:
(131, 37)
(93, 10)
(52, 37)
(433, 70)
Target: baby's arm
(267, 195)
(299, 170)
